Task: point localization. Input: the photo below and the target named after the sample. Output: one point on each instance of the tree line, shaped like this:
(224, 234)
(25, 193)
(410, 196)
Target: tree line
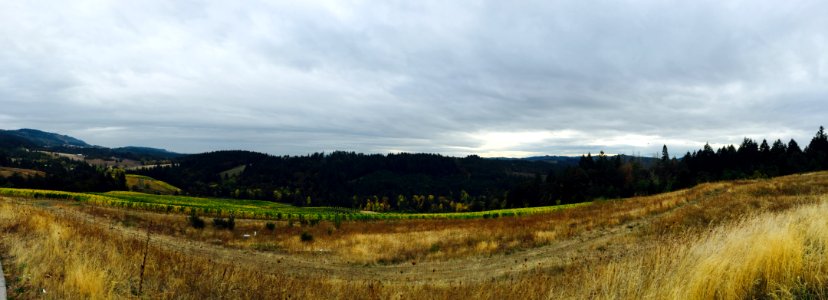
(430, 182)
(436, 183)
(401, 182)
(606, 177)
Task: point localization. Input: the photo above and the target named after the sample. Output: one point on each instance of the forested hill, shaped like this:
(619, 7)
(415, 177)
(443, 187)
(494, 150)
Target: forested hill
(405, 182)
(34, 137)
(353, 179)
(432, 182)
(31, 158)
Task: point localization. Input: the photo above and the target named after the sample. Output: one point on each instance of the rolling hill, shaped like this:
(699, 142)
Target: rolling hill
(45, 139)
(150, 185)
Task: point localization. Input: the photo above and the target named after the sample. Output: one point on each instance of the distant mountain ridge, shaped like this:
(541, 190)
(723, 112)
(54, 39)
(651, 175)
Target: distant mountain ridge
(147, 151)
(38, 139)
(34, 138)
(45, 139)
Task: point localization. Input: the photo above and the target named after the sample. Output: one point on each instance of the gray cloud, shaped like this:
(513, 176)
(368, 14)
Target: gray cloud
(487, 77)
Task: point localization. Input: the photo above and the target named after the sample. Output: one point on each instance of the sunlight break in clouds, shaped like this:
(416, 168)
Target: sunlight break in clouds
(504, 144)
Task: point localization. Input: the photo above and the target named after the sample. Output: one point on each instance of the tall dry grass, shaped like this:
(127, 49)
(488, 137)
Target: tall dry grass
(58, 255)
(772, 255)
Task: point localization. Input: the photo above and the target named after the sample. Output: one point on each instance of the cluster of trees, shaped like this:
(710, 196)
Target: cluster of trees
(57, 173)
(606, 177)
(400, 182)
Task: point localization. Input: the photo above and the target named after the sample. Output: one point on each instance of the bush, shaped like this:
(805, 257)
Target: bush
(270, 226)
(228, 224)
(434, 248)
(306, 237)
(337, 221)
(195, 221)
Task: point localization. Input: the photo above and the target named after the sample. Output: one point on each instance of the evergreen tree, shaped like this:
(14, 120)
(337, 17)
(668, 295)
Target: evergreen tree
(778, 149)
(817, 150)
(793, 148)
(794, 159)
(764, 148)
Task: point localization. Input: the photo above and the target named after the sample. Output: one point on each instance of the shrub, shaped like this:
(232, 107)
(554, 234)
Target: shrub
(228, 224)
(337, 221)
(306, 237)
(270, 226)
(195, 220)
(434, 248)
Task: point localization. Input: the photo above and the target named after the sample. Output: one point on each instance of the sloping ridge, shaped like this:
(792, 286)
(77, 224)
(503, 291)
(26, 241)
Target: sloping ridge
(47, 139)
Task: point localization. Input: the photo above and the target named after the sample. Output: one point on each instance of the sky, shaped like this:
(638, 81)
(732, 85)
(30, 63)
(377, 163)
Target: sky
(494, 78)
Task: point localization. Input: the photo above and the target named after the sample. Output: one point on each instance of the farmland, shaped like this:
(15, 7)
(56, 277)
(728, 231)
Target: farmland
(254, 209)
(735, 239)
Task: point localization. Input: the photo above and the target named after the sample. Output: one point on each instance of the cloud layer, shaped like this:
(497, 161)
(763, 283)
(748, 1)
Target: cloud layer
(487, 77)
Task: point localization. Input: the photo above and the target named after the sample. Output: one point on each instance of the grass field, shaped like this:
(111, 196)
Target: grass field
(748, 239)
(255, 209)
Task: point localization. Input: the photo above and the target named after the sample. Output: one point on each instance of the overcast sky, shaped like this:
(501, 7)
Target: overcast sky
(495, 78)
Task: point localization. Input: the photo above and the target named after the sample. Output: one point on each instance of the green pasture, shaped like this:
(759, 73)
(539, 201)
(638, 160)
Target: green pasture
(256, 209)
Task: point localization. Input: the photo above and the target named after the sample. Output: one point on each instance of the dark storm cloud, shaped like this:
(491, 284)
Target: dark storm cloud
(488, 77)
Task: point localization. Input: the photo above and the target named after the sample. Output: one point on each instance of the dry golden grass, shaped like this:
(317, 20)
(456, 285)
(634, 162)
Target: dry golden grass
(744, 239)
(8, 172)
(782, 255)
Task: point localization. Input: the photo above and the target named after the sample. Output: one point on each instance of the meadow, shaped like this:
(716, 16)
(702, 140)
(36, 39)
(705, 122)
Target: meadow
(725, 240)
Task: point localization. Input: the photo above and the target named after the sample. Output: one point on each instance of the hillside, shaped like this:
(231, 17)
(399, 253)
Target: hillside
(32, 158)
(737, 240)
(150, 185)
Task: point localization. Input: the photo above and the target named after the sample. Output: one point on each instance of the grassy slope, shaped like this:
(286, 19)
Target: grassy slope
(150, 185)
(233, 172)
